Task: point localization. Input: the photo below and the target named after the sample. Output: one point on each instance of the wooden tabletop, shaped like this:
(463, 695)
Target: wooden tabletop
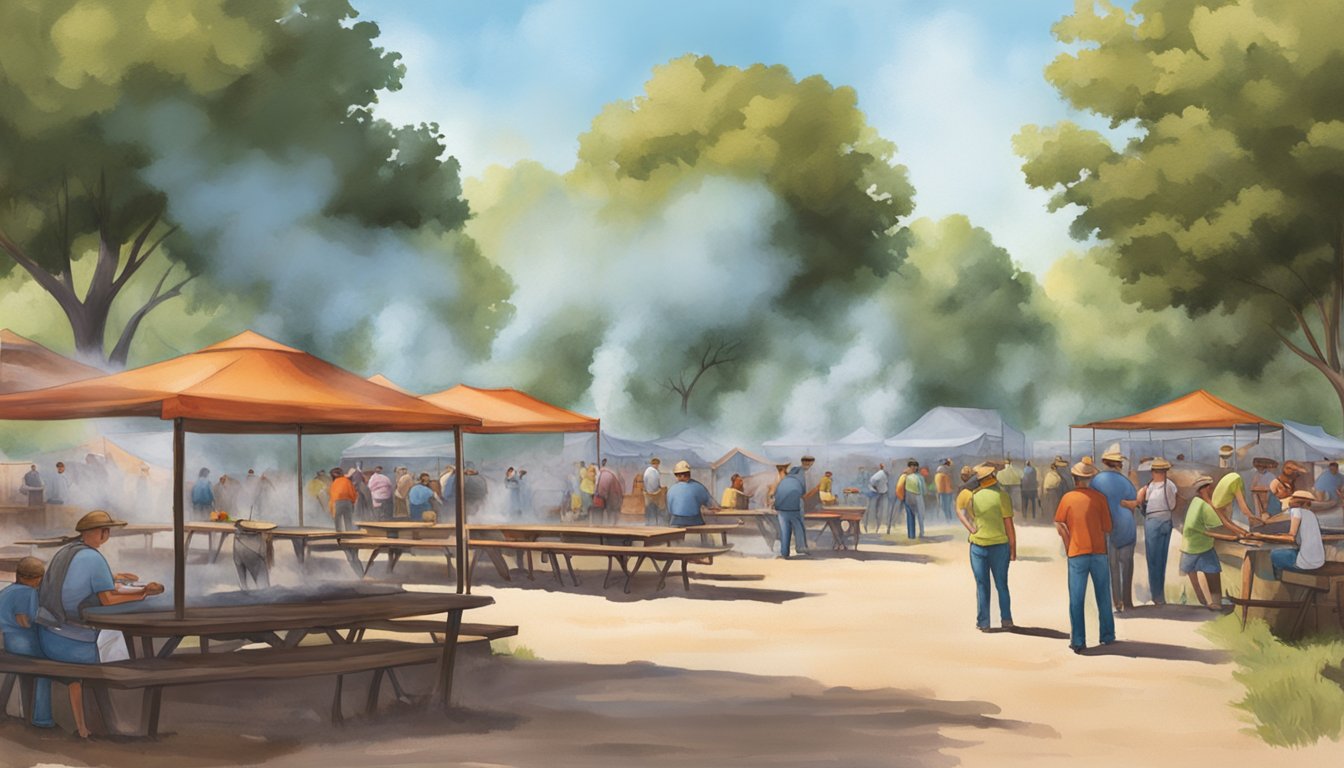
(399, 525)
(134, 529)
(306, 533)
(279, 616)
(213, 526)
(642, 533)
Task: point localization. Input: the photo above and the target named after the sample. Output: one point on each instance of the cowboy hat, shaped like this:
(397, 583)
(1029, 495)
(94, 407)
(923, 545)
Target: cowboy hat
(1264, 462)
(983, 471)
(1083, 469)
(1161, 464)
(682, 468)
(30, 568)
(1303, 495)
(97, 519)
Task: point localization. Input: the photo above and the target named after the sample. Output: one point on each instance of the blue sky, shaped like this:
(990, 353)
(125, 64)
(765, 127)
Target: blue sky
(948, 82)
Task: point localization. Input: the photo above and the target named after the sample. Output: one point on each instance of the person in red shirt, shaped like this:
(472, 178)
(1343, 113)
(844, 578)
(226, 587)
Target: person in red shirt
(1083, 519)
(343, 496)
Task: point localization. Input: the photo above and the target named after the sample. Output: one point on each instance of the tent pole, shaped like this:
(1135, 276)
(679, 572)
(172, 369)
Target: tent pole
(460, 500)
(1094, 443)
(299, 481)
(1070, 443)
(179, 520)
(1234, 447)
(599, 443)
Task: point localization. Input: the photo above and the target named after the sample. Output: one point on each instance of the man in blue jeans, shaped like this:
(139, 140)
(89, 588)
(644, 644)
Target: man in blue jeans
(1157, 499)
(988, 515)
(1083, 520)
(789, 506)
(18, 611)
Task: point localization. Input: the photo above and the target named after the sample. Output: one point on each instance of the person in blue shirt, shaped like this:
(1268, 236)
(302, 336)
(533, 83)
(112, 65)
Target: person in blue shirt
(420, 499)
(79, 577)
(202, 495)
(1121, 498)
(18, 612)
(789, 492)
(1329, 484)
(686, 497)
(513, 479)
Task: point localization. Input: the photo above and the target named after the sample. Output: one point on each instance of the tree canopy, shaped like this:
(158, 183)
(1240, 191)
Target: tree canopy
(92, 95)
(1230, 195)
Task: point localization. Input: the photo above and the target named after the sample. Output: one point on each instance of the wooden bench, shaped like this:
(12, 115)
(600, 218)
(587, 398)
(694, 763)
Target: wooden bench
(469, 633)
(662, 557)
(1314, 584)
(394, 548)
(152, 675)
(710, 529)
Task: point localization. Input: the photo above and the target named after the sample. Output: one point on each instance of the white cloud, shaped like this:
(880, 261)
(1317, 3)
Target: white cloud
(953, 113)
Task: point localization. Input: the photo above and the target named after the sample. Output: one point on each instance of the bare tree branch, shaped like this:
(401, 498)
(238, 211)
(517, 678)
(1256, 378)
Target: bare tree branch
(1301, 322)
(122, 350)
(714, 355)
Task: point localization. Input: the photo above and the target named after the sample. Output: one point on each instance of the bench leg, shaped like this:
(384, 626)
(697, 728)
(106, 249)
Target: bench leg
(443, 686)
(1308, 601)
(6, 690)
(393, 558)
(630, 575)
(103, 704)
(530, 575)
(298, 549)
(607, 578)
(501, 566)
(337, 717)
(662, 573)
(169, 646)
(150, 702)
(448, 557)
(371, 704)
(372, 556)
(555, 569)
(218, 548)
(685, 576)
(396, 685)
(569, 563)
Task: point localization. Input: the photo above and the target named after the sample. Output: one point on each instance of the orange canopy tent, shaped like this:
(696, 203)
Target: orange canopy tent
(382, 380)
(509, 411)
(1197, 410)
(246, 384)
(1193, 413)
(25, 365)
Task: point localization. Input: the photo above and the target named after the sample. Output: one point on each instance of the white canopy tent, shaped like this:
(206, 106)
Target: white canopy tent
(861, 444)
(951, 432)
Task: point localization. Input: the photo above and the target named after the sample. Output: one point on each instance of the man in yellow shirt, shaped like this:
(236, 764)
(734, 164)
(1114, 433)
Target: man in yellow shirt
(988, 515)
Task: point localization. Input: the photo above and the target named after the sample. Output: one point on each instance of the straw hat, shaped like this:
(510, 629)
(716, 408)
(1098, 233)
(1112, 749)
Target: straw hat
(1303, 495)
(1113, 454)
(682, 468)
(1293, 466)
(31, 568)
(1202, 481)
(1161, 464)
(966, 473)
(983, 471)
(1225, 451)
(97, 519)
(1083, 469)
(1264, 462)
(255, 525)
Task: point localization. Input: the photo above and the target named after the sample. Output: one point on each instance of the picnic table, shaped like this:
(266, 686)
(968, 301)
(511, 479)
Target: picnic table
(134, 529)
(212, 529)
(301, 538)
(416, 529)
(282, 623)
(842, 522)
(615, 535)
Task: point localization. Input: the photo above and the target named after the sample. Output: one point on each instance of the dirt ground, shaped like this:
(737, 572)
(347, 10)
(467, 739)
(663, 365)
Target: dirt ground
(847, 660)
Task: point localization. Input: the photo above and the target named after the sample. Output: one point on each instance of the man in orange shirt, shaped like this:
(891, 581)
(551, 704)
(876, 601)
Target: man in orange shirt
(343, 497)
(1083, 520)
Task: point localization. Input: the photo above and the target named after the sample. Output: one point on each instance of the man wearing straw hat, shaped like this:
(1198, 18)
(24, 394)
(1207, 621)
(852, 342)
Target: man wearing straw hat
(18, 611)
(988, 516)
(77, 578)
(1307, 549)
(1197, 554)
(687, 497)
(1083, 520)
(1157, 500)
(1121, 499)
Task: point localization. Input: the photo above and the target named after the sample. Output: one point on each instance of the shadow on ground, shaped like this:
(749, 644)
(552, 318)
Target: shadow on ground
(1136, 650)
(539, 713)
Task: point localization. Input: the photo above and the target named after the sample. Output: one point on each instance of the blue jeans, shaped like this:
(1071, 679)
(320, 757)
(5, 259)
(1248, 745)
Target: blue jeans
(914, 514)
(945, 504)
(790, 526)
(1080, 568)
(27, 645)
(987, 561)
(652, 514)
(1156, 545)
(1283, 559)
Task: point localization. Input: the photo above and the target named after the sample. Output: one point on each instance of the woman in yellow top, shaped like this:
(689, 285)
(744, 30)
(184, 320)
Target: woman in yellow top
(587, 487)
(735, 495)
(824, 487)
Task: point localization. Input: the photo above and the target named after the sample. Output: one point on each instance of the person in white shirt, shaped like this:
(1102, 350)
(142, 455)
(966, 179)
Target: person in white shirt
(1304, 532)
(653, 493)
(1157, 499)
(878, 486)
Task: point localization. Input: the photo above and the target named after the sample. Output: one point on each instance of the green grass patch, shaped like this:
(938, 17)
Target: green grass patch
(506, 648)
(1289, 703)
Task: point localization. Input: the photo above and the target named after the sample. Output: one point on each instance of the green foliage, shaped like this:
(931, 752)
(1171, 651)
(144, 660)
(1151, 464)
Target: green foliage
(1290, 703)
(517, 651)
(806, 139)
(1229, 197)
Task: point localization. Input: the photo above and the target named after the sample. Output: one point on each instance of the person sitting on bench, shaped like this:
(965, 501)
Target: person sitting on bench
(79, 577)
(18, 609)
(1304, 531)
